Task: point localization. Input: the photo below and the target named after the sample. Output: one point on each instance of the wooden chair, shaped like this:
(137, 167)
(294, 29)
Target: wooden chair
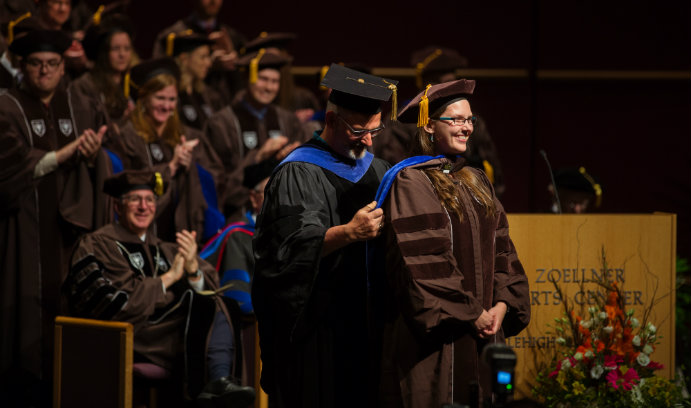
(92, 363)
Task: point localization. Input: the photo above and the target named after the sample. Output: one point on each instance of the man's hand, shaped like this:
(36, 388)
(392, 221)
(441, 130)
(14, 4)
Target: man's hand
(67, 151)
(187, 247)
(366, 224)
(175, 273)
(90, 142)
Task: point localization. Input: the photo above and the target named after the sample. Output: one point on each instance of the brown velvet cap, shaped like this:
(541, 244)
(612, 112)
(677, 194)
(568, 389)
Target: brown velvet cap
(269, 40)
(128, 180)
(265, 60)
(437, 97)
(186, 41)
(435, 60)
(143, 72)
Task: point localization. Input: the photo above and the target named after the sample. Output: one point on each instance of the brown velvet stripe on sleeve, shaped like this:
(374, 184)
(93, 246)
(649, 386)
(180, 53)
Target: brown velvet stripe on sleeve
(413, 224)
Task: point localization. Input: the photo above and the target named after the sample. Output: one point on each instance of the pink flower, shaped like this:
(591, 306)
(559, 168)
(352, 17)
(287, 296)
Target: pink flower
(655, 366)
(626, 379)
(612, 361)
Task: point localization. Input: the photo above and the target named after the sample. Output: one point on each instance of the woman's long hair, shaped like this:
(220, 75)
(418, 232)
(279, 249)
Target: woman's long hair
(445, 186)
(187, 80)
(141, 121)
(102, 74)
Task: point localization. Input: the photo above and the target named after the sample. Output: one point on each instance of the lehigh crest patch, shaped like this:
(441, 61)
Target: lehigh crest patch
(137, 260)
(39, 127)
(162, 265)
(156, 151)
(250, 139)
(189, 112)
(65, 126)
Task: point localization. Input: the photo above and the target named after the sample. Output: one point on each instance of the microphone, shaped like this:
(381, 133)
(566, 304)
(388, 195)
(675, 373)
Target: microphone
(551, 175)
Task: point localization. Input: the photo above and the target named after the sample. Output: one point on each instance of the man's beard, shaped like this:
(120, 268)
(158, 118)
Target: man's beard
(353, 152)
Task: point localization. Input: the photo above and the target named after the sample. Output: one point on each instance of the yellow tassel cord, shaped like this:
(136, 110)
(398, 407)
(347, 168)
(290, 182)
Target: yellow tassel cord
(170, 44)
(322, 74)
(596, 186)
(422, 65)
(127, 82)
(158, 190)
(12, 24)
(98, 14)
(423, 115)
(394, 101)
(254, 66)
(489, 170)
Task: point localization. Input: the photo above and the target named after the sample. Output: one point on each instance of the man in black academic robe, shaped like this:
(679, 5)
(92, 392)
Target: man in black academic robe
(310, 289)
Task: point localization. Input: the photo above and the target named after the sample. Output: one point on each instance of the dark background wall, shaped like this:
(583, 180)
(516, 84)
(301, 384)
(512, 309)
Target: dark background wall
(602, 84)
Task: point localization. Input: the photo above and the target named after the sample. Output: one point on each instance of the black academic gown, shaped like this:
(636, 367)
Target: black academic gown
(312, 311)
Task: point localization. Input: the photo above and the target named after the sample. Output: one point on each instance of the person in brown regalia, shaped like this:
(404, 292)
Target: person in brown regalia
(254, 129)
(124, 272)
(452, 270)
(197, 101)
(154, 138)
(108, 44)
(50, 193)
(227, 42)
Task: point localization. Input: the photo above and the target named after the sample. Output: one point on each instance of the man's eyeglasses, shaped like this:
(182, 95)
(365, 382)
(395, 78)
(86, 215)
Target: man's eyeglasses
(51, 65)
(362, 132)
(136, 199)
(459, 121)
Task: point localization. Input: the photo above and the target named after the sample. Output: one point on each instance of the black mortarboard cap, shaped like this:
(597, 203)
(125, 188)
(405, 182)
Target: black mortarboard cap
(357, 91)
(255, 173)
(143, 72)
(269, 40)
(185, 41)
(433, 98)
(261, 59)
(40, 41)
(573, 179)
(128, 180)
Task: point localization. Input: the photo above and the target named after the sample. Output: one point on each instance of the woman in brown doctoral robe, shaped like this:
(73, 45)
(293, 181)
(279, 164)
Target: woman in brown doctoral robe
(453, 272)
(153, 138)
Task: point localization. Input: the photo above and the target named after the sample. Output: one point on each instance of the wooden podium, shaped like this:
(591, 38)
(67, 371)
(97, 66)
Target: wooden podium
(640, 252)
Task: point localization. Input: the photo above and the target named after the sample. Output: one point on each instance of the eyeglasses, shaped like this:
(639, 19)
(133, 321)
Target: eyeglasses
(460, 121)
(362, 132)
(51, 65)
(135, 199)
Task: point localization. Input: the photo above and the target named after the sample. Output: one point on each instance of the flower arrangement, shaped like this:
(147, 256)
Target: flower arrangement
(603, 359)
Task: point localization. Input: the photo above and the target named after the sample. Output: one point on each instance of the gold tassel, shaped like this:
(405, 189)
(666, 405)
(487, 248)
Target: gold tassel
(170, 44)
(158, 190)
(596, 187)
(12, 24)
(423, 115)
(254, 66)
(489, 170)
(322, 73)
(97, 15)
(126, 82)
(394, 101)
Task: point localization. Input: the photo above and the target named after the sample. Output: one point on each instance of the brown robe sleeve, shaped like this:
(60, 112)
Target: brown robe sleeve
(421, 266)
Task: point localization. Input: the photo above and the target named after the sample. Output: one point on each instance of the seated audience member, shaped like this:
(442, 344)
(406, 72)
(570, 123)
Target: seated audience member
(124, 272)
(153, 138)
(254, 129)
(577, 191)
(9, 64)
(108, 44)
(54, 15)
(192, 53)
(52, 170)
(303, 102)
(227, 42)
